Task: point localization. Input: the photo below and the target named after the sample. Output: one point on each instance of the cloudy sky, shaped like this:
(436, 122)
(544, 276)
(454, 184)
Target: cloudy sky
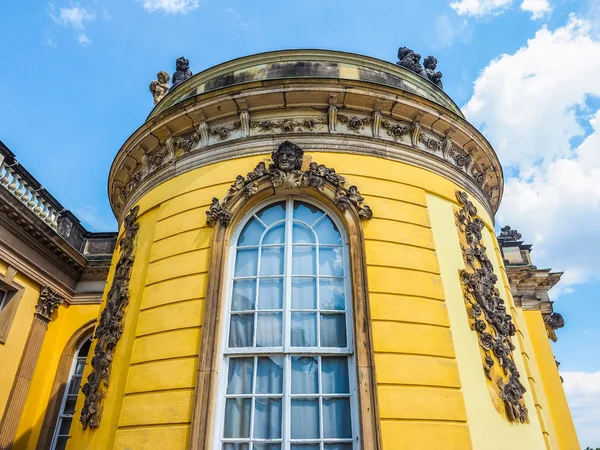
(526, 72)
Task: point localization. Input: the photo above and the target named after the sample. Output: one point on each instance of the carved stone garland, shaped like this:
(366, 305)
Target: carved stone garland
(487, 313)
(109, 330)
(286, 172)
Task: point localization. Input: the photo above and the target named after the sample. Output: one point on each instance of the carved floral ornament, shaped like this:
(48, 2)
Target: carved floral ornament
(110, 328)
(487, 313)
(285, 172)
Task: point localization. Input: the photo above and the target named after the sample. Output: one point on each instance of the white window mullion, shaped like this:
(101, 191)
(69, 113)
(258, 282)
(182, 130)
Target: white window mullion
(287, 303)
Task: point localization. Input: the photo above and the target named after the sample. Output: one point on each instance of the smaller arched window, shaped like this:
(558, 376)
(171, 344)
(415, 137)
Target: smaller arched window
(67, 406)
(289, 376)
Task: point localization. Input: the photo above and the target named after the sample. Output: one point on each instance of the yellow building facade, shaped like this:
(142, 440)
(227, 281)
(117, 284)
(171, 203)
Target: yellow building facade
(306, 260)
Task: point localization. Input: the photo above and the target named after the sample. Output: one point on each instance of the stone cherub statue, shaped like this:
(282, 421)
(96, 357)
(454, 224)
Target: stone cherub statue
(160, 87)
(430, 64)
(183, 71)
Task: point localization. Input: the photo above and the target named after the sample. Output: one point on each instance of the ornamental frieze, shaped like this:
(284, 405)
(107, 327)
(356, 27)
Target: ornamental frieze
(488, 315)
(110, 327)
(285, 172)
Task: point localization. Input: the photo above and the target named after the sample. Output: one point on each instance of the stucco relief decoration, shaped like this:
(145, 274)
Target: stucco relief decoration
(488, 315)
(286, 172)
(48, 301)
(110, 328)
(288, 125)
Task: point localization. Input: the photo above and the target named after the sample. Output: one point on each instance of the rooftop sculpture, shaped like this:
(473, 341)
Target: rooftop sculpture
(412, 61)
(160, 87)
(183, 71)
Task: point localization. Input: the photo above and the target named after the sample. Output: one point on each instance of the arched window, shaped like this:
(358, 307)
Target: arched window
(67, 406)
(288, 378)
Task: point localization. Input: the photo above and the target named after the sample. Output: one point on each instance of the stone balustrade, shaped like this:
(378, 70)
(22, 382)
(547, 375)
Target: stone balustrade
(12, 179)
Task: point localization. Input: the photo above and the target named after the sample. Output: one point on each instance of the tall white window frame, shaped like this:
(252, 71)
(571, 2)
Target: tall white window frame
(325, 357)
(67, 405)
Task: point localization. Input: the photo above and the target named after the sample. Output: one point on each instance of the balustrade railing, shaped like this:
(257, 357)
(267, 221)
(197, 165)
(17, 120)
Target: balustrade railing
(30, 196)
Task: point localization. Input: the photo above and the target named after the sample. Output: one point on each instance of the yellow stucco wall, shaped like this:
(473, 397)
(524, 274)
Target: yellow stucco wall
(430, 382)
(12, 349)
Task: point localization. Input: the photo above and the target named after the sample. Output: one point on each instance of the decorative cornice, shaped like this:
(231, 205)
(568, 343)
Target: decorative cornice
(487, 313)
(286, 173)
(110, 328)
(47, 303)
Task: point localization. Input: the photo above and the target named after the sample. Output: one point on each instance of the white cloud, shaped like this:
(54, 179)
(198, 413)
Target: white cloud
(83, 39)
(448, 29)
(50, 43)
(480, 8)
(583, 393)
(170, 6)
(531, 105)
(74, 17)
(537, 8)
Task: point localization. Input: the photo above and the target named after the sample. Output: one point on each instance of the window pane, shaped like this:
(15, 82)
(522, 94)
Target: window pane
(236, 446)
(306, 212)
(270, 293)
(304, 293)
(334, 375)
(305, 419)
(241, 330)
(275, 235)
(270, 375)
(267, 418)
(302, 234)
(333, 330)
(266, 447)
(237, 418)
(331, 294)
(268, 333)
(338, 446)
(74, 386)
(245, 262)
(70, 406)
(327, 232)
(304, 330)
(244, 295)
(331, 261)
(79, 366)
(272, 214)
(65, 424)
(240, 376)
(336, 418)
(305, 375)
(251, 233)
(305, 447)
(304, 260)
(61, 443)
(271, 261)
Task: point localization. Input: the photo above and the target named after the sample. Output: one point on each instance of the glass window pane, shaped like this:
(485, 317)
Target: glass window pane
(65, 424)
(266, 447)
(304, 293)
(305, 447)
(236, 446)
(275, 235)
(61, 443)
(270, 293)
(237, 418)
(331, 261)
(271, 262)
(305, 419)
(270, 375)
(69, 406)
(304, 330)
(331, 294)
(302, 234)
(245, 262)
(334, 375)
(304, 260)
(327, 232)
(272, 213)
(305, 375)
(85, 349)
(338, 446)
(241, 330)
(244, 295)
(333, 330)
(240, 376)
(251, 233)
(79, 366)
(336, 418)
(74, 385)
(268, 333)
(306, 212)
(267, 418)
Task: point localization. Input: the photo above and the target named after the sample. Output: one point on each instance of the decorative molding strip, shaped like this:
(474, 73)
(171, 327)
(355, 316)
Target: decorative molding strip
(288, 125)
(487, 313)
(110, 327)
(286, 173)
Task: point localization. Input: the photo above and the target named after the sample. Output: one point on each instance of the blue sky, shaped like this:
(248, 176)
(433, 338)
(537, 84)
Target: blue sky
(525, 72)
